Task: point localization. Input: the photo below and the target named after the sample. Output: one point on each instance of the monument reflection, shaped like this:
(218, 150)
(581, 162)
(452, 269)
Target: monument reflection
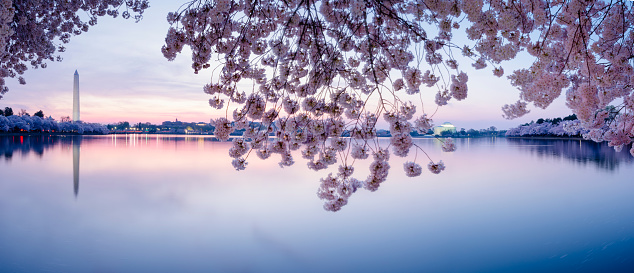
(76, 151)
(26, 145)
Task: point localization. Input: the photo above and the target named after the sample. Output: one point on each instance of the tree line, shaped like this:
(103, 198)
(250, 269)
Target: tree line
(568, 126)
(23, 122)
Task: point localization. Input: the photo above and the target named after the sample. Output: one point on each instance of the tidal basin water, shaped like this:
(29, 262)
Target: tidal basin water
(148, 203)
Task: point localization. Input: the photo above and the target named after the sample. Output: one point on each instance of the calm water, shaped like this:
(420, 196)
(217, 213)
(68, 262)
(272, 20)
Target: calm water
(174, 204)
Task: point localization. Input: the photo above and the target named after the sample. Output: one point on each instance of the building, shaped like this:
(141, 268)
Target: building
(444, 127)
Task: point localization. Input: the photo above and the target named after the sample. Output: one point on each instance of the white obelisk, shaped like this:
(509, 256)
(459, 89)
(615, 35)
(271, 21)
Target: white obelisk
(76, 97)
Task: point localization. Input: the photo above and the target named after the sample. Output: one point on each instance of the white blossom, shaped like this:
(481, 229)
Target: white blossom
(448, 145)
(325, 88)
(436, 168)
(412, 169)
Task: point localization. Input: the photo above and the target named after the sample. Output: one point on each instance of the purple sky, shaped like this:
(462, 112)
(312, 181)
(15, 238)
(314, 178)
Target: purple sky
(124, 77)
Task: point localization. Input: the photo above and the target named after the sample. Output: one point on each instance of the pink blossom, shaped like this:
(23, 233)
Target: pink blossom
(315, 89)
(239, 148)
(448, 145)
(515, 110)
(222, 128)
(436, 168)
(239, 163)
(359, 152)
(412, 169)
(34, 32)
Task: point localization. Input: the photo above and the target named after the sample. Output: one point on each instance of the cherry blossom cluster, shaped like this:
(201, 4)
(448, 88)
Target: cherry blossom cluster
(583, 47)
(611, 126)
(565, 128)
(33, 32)
(318, 75)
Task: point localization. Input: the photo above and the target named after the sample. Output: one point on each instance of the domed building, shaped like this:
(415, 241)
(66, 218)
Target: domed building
(447, 126)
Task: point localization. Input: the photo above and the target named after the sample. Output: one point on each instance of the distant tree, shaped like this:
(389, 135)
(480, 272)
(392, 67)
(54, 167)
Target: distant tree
(571, 117)
(123, 125)
(147, 127)
(1, 112)
(23, 113)
(65, 119)
(39, 114)
(473, 133)
(8, 111)
(446, 133)
(540, 121)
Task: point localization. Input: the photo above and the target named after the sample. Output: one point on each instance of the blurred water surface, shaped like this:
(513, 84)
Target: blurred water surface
(156, 203)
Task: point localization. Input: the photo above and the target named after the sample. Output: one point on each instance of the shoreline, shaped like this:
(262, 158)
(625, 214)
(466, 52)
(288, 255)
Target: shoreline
(47, 134)
(212, 135)
(547, 137)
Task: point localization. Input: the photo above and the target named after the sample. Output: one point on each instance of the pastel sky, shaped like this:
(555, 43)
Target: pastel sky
(124, 77)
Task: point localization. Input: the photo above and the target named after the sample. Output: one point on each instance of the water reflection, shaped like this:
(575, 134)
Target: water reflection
(174, 204)
(24, 145)
(133, 140)
(76, 151)
(39, 144)
(580, 151)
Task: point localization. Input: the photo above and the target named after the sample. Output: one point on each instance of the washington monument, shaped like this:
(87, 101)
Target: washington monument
(76, 97)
